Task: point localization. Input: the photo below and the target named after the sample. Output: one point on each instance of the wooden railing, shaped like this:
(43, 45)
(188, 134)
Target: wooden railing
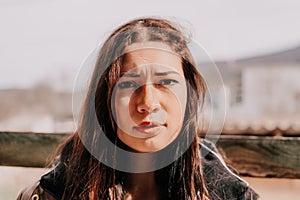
(256, 156)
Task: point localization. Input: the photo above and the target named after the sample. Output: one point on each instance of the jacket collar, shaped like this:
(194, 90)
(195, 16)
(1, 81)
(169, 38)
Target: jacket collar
(219, 179)
(54, 181)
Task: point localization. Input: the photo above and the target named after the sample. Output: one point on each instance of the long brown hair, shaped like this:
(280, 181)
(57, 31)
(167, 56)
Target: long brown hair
(86, 177)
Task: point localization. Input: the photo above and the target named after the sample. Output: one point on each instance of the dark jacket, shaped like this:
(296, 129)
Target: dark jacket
(221, 183)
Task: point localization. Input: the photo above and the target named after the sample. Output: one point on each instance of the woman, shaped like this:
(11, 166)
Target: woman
(143, 99)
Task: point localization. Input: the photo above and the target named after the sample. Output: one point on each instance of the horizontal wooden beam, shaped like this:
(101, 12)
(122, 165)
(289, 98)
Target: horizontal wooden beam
(262, 156)
(28, 149)
(257, 156)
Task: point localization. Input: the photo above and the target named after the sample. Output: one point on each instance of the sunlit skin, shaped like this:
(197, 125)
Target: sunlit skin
(150, 98)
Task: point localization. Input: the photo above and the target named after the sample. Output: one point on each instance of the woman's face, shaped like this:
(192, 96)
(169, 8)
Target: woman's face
(150, 98)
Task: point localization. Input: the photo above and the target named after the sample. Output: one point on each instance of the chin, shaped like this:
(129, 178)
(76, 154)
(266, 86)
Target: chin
(150, 146)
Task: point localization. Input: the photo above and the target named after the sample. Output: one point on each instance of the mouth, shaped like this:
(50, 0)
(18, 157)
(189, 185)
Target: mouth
(152, 128)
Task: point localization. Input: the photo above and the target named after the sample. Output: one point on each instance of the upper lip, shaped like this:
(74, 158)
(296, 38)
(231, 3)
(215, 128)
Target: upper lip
(148, 124)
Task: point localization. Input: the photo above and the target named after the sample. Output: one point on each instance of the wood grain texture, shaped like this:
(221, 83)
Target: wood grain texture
(28, 149)
(257, 156)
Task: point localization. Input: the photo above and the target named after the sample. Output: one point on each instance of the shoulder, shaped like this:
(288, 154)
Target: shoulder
(220, 181)
(49, 187)
(34, 192)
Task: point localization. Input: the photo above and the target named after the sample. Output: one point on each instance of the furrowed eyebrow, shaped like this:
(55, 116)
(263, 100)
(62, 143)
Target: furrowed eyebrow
(166, 73)
(135, 75)
(125, 74)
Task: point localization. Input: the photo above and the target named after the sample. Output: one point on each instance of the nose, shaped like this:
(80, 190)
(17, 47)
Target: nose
(147, 100)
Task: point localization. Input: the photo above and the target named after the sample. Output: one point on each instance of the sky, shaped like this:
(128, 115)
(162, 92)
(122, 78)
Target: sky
(48, 40)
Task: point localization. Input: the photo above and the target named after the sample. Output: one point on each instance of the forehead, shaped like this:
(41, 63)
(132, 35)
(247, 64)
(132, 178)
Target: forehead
(151, 55)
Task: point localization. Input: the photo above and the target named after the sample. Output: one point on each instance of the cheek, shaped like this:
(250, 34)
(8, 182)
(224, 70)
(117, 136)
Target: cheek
(175, 107)
(177, 103)
(121, 108)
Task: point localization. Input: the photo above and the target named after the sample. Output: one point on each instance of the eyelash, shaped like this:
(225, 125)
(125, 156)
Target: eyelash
(132, 84)
(127, 84)
(167, 82)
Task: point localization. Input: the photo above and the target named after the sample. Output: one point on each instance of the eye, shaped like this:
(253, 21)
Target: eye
(167, 82)
(127, 84)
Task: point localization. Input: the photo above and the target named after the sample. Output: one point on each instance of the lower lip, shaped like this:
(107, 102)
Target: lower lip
(151, 131)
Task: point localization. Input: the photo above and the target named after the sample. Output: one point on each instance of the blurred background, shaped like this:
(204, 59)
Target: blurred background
(255, 44)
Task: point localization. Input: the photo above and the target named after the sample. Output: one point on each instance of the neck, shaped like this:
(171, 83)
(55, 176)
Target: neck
(142, 186)
(140, 181)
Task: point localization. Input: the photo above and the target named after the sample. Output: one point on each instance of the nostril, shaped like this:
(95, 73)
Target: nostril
(143, 110)
(155, 108)
(149, 109)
